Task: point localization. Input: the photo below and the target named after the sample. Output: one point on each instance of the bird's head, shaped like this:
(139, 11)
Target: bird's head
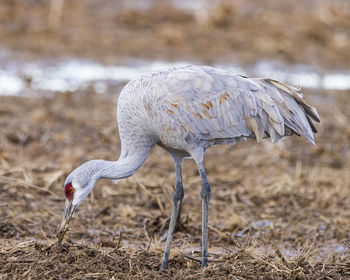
(77, 186)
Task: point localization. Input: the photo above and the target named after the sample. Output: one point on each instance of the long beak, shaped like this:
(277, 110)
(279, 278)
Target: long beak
(69, 209)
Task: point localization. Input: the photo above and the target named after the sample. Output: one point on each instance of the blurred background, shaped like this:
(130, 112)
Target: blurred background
(60, 45)
(281, 211)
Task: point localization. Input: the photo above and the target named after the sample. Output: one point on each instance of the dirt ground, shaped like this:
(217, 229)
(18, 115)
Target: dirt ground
(276, 211)
(315, 32)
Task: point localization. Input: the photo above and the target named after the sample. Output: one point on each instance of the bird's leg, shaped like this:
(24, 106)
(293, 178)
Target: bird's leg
(177, 202)
(205, 195)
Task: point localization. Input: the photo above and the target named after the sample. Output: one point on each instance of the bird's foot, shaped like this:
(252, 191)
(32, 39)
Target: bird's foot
(164, 265)
(204, 263)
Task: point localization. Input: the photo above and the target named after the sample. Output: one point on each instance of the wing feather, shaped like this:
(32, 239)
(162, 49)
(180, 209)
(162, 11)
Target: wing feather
(215, 104)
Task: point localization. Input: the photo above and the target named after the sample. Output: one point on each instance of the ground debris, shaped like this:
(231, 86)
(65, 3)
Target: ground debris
(276, 211)
(285, 222)
(36, 260)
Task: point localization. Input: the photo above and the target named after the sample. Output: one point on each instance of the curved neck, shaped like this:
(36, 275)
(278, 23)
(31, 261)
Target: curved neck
(124, 167)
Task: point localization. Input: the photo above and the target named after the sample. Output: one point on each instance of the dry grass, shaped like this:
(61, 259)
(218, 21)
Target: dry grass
(311, 32)
(36, 260)
(277, 211)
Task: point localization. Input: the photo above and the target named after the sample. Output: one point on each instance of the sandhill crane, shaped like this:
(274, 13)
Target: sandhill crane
(186, 110)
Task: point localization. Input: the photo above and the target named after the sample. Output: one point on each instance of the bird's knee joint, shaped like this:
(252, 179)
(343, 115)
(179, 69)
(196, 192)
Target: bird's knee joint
(178, 194)
(205, 193)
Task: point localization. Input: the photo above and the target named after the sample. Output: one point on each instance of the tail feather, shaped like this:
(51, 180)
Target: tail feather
(299, 117)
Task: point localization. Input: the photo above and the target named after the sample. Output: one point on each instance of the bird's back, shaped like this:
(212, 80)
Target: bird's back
(186, 107)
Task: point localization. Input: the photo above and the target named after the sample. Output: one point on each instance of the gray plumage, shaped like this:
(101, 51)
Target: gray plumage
(186, 110)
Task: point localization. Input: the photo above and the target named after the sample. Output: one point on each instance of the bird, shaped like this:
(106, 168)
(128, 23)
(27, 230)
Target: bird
(185, 110)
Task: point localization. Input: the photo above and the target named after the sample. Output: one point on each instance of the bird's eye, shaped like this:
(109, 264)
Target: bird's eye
(69, 191)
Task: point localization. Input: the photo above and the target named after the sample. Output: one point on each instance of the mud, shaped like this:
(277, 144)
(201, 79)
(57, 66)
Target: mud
(276, 211)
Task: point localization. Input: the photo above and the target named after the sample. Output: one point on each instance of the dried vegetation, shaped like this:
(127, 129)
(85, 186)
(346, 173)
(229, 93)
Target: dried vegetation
(316, 32)
(277, 211)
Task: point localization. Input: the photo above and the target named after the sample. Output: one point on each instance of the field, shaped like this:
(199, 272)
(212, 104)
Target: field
(277, 211)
